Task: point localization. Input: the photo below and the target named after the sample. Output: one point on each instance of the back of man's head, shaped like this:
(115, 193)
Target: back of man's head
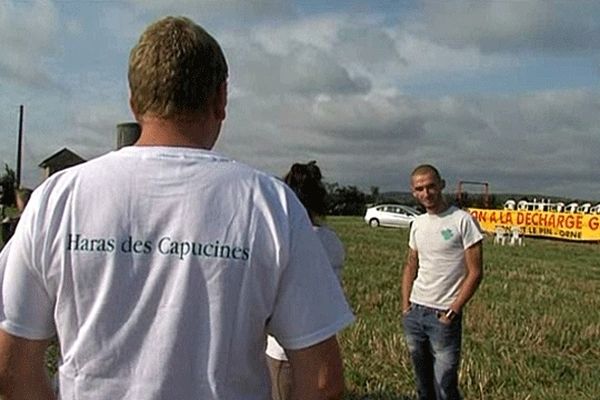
(174, 69)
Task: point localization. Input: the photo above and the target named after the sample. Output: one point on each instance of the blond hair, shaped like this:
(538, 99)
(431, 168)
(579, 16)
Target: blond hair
(174, 69)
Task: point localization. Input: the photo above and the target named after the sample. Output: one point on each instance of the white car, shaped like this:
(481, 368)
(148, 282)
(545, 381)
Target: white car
(393, 215)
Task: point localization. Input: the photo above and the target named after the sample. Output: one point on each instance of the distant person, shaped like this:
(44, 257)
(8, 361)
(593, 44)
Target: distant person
(163, 266)
(305, 181)
(22, 196)
(442, 272)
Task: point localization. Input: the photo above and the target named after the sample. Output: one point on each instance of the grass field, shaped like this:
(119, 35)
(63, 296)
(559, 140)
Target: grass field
(532, 331)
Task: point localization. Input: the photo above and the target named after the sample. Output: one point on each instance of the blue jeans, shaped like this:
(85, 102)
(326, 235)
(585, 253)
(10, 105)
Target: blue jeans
(435, 352)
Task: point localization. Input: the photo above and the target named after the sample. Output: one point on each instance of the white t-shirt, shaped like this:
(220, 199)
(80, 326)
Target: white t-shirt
(3, 260)
(441, 241)
(335, 252)
(162, 270)
(333, 247)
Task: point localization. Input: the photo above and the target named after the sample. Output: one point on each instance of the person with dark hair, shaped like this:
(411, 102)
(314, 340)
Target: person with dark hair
(442, 272)
(162, 266)
(305, 181)
(22, 196)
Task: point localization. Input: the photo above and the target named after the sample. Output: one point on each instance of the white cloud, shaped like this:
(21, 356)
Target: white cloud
(538, 25)
(331, 87)
(73, 26)
(387, 57)
(524, 143)
(27, 37)
(319, 31)
(425, 57)
(217, 8)
(302, 70)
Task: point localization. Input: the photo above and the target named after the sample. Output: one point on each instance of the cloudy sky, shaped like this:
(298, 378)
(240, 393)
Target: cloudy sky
(503, 91)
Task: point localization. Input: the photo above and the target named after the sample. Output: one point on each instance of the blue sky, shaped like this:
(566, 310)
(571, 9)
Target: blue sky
(500, 91)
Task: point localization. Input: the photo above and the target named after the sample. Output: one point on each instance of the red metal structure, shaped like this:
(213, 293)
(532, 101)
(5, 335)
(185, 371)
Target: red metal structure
(486, 192)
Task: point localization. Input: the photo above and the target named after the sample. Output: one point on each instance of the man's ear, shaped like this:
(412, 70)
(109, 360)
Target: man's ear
(135, 114)
(442, 184)
(221, 101)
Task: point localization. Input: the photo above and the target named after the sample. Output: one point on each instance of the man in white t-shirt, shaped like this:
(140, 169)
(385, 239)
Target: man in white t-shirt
(442, 272)
(163, 266)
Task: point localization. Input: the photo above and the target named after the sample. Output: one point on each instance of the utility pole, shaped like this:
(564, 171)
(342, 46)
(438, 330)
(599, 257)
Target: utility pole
(19, 147)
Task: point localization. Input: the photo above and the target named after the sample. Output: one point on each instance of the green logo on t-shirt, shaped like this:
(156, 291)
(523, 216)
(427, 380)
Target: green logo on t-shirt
(447, 234)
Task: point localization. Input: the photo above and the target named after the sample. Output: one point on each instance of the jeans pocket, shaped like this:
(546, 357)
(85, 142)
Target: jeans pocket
(443, 320)
(449, 326)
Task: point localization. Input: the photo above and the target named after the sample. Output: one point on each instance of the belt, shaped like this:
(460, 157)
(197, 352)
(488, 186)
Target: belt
(435, 310)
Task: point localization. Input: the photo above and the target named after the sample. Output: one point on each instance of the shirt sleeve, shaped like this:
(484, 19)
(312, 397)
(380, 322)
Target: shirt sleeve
(412, 243)
(3, 261)
(334, 248)
(28, 309)
(310, 305)
(471, 231)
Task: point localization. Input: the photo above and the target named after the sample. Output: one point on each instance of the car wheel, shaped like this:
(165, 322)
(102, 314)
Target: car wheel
(374, 222)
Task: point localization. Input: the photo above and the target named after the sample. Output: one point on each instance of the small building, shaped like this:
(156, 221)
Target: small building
(60, 160)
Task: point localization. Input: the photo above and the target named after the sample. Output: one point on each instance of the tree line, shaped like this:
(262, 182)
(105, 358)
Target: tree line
(341, 200)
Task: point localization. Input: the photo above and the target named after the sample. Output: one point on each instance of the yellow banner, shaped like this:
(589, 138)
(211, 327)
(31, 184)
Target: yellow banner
(568, 226)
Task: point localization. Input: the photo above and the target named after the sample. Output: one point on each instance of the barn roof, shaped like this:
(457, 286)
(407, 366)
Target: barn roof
(62, 157)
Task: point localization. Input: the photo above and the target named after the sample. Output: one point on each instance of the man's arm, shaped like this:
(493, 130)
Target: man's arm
(317, 371)
(23, 373)
(474, 264)
(408, 277)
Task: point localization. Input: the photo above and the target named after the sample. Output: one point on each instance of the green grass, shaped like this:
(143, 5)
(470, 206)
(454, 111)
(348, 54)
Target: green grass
(532, 331)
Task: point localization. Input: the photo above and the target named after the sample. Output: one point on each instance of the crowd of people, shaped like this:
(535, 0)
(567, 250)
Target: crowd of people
(135, 323)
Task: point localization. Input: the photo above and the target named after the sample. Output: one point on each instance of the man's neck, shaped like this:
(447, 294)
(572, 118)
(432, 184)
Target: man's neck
(438, 209)
(192, 132)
